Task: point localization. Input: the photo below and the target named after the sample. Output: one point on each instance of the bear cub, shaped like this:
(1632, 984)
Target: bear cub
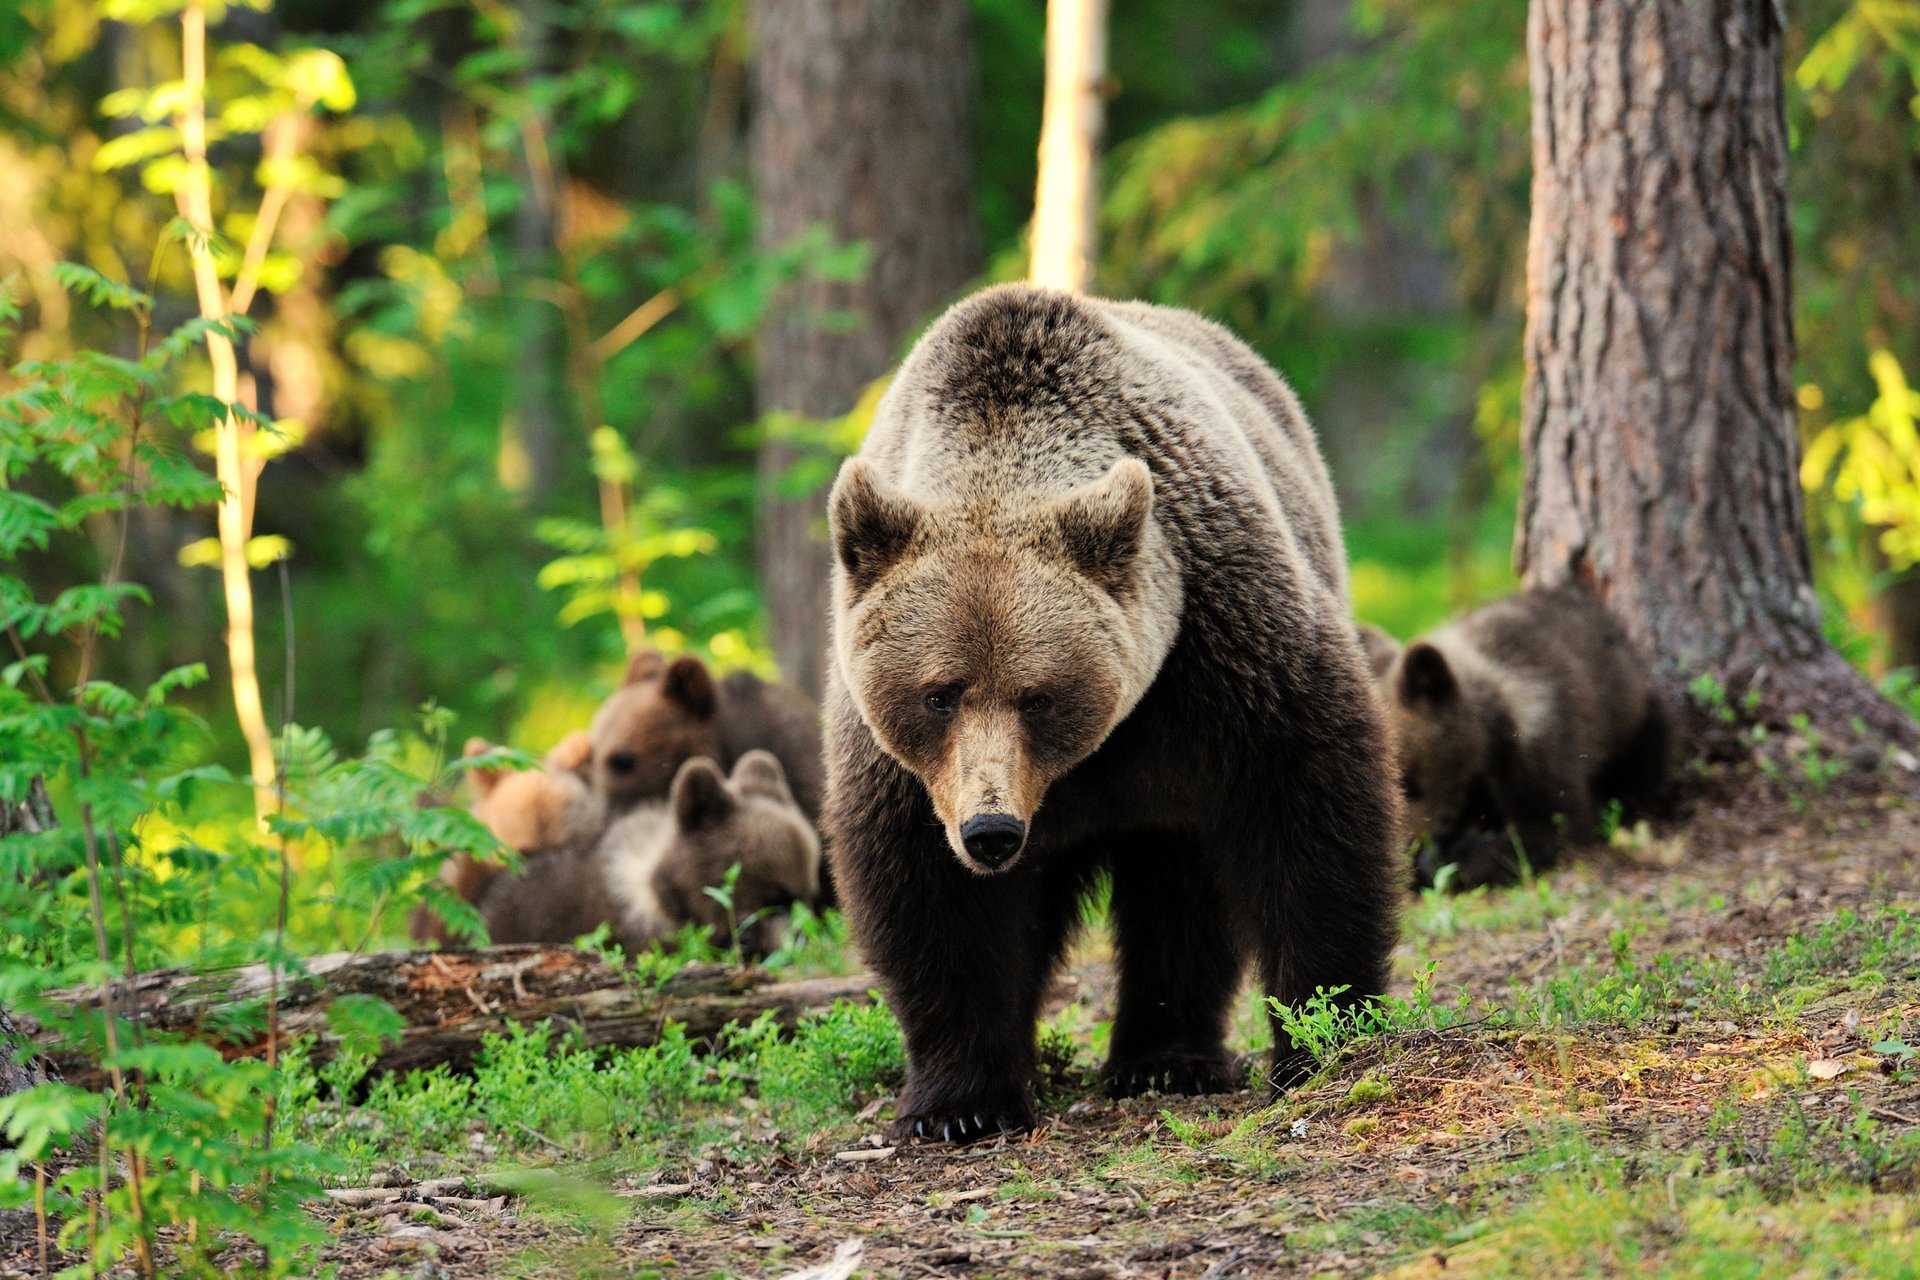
(666, 713)
(646, 876)
(1513, 725)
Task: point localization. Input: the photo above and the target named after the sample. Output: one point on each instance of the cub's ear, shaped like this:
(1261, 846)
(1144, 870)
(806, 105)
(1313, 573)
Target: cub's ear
(1104, 524)
(1425, 675)
(872, 523)
(572, 754)
(700, 797)
(758, 773)
(688, 683)
(484, 780)
(645, 665)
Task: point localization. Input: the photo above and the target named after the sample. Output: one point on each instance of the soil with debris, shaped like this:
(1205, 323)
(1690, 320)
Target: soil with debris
(1320, 1184)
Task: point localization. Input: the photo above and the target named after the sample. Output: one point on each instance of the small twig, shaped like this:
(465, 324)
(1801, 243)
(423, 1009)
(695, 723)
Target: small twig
(1887, 1113)
(537, 1135)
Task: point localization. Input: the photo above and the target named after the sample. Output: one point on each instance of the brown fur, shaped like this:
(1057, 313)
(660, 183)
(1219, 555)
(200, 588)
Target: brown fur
(669, 712)
(1381, 649)
(530, 811)
(662, 861)
(646, 877)
(1090, 589)
(1516, 723)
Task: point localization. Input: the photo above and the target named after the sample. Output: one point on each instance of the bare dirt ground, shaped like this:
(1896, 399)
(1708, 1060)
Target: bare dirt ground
(1412, 1142)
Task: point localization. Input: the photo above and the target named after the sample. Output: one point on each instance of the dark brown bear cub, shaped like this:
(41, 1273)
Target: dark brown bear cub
(1513, 725)
(1090, 614)
(668, 712)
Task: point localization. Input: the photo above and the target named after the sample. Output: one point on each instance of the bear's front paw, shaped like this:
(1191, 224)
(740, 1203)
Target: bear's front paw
(938, 1117)
(1212, 1071)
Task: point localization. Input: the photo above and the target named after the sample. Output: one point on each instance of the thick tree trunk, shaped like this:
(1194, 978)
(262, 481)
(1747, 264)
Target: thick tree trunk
(1662, 461)
(452, 1000)
(863, 122)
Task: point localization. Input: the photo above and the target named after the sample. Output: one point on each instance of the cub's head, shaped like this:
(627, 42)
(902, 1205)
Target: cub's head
(748, 820)
(1444, 741)
(663, 716)
(992, 645)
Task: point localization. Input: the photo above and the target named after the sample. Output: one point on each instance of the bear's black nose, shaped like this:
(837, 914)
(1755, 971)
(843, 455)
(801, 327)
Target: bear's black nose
(993, 838)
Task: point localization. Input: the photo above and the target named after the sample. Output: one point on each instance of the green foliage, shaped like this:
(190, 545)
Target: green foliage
(1323, 1026)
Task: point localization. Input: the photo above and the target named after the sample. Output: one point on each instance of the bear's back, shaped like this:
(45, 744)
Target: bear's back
(1564, 641)
(1024, 390)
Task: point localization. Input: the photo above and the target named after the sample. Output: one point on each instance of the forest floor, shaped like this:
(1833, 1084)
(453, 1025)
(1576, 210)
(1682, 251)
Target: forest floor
(1691, 1053)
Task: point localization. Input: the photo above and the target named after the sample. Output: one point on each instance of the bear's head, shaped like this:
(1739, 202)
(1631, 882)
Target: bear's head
(992, 643)
(664, 715)
(751, 821)
(1445, 737)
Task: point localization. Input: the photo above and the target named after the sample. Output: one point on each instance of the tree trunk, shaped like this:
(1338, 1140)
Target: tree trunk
(452, 1000)
(1662, 460)
(1066, 202)
(862, 122)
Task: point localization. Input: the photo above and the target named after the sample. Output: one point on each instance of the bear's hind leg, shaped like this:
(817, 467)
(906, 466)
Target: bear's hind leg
(1179, 972)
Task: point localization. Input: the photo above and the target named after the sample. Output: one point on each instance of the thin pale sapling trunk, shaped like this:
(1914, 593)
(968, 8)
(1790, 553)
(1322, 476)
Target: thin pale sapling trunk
(236, 464)
(1067, 194)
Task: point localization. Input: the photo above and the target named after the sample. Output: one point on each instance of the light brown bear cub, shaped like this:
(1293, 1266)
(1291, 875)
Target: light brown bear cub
(646, 877)
(1513, 725)
(530, 811)
(1090, 617)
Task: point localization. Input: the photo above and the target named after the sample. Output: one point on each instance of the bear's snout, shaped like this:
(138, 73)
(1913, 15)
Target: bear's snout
(992, 839)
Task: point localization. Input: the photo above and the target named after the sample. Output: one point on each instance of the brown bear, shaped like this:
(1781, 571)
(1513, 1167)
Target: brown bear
(1513, 725)
(661, 860)
(668, 712)
(1381, 649)
(528, 810)
(646, 877)
(1090, 615)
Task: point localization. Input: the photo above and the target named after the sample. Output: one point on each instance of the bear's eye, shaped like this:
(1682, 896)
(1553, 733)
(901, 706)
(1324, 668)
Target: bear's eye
(1035, 705)
(944, 701)
(1410, 787)
(623, 761)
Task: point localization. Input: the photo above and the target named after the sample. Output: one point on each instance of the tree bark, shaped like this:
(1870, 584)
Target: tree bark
(451, 1001)
(1662, 459)
(863, 122)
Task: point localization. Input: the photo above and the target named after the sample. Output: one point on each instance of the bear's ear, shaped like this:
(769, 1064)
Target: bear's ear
(872, 523)
(645, 665)
(1425, 675)
(484, 780)
(758, 773)
(1104, 524)
(689, 684)
(700, 797)
(572, 754)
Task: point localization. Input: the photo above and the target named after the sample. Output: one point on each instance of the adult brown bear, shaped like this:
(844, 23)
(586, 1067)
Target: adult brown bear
(1089, 556)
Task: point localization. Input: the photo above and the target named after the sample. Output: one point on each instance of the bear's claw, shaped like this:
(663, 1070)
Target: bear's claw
(1186, 1073)
(963, 1127)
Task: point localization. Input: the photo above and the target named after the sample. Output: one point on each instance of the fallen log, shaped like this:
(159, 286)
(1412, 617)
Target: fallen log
(450, 1000)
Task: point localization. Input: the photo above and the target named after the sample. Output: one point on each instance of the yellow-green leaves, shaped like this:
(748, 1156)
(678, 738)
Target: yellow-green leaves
(1873, 462)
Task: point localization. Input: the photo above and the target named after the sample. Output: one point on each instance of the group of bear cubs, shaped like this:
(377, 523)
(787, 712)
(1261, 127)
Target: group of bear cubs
(1088, 555)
